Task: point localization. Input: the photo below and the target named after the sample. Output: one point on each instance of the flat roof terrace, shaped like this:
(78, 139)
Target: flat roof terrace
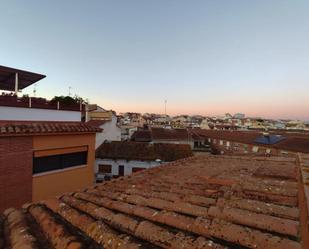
(199, 202)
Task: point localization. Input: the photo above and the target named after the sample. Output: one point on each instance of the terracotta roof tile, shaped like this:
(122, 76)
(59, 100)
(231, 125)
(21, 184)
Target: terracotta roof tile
(17, 128)
(198, 202)
(161, 134)
(97, 123)
(143, 151)
(296, 142)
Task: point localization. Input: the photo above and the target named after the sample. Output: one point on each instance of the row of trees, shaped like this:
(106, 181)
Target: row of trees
(69, 100)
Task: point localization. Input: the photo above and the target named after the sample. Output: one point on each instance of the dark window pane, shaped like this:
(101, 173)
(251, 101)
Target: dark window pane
(47, 163)
(105, 168)
(56, 162)
(74, 159)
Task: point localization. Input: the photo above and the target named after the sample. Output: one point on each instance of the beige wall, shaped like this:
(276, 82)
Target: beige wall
(50, 184)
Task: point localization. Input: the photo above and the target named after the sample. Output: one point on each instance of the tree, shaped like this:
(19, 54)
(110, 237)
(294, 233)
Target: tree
(69, 100)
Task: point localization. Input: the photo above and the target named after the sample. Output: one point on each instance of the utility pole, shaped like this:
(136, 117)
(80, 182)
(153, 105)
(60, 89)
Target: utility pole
(165, 103)
(70, 90)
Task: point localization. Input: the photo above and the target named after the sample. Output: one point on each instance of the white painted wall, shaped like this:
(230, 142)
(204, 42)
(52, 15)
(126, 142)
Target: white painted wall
(35, 114)
(128, 165)
(111, 132)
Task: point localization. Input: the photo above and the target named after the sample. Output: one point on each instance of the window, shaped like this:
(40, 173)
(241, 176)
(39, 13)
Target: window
(221, 142)
(121, 170)
(56, 162)
(228, 144)
(105, 168)
(134, 169)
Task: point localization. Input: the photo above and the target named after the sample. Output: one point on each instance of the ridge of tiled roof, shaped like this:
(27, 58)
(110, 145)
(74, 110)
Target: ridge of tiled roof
(143, 151)
(17, 128)
(200, 202)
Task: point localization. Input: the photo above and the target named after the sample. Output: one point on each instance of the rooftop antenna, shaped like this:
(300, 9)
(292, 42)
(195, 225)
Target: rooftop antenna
(165, 103)
(70, 90)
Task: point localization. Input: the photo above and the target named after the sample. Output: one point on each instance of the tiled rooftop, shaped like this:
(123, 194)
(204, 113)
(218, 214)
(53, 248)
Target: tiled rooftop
(143, 151)
(17, 128)
(161, 134)
(199, 202)
(296, 142)
(97, 123)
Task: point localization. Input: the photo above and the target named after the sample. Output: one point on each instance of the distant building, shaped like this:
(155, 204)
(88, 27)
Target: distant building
(162, 135)
(95, 112)
(205, 124)
(252, 142)
(239, 115)
(110, 131)
(125, 158)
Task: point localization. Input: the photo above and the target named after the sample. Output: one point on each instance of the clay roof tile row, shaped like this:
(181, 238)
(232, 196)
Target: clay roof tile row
(197, 202)
(17, 128)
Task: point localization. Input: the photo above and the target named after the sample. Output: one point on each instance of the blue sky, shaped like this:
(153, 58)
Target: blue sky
(204, 57)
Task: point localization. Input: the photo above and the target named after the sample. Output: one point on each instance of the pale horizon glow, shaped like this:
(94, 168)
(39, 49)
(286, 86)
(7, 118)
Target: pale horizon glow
(203, 57)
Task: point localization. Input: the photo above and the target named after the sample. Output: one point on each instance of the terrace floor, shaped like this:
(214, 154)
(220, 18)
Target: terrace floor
(199, 202)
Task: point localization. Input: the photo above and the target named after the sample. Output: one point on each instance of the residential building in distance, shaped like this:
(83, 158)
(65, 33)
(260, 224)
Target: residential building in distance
(252, 142)
(13, 107)
(95, 112)
(110, 131)
(125, 158)
(163, 135)
(200, 202)
(42, 159)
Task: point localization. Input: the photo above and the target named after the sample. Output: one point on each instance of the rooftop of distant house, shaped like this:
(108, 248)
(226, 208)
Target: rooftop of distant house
(161, 134)
(25, 78)
(199, 202)
(143, 151)
(24, 128)
(296, 142)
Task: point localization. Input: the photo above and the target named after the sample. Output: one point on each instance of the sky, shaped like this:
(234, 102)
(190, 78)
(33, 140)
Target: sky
(205, 57)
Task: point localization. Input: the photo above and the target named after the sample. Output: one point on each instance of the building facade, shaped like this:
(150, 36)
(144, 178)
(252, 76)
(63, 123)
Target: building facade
(39, 160)
(124, 158)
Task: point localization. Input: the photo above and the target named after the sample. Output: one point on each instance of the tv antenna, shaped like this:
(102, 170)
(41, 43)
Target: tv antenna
(165, 103)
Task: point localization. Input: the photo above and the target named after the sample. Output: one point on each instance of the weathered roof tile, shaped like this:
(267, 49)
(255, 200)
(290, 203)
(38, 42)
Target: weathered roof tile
(201, 202)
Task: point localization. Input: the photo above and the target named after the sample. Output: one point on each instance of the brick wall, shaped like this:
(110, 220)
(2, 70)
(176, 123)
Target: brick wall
(15, 171)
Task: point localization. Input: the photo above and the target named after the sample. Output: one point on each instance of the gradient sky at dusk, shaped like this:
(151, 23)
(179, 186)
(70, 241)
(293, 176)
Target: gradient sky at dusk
(204, 57)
